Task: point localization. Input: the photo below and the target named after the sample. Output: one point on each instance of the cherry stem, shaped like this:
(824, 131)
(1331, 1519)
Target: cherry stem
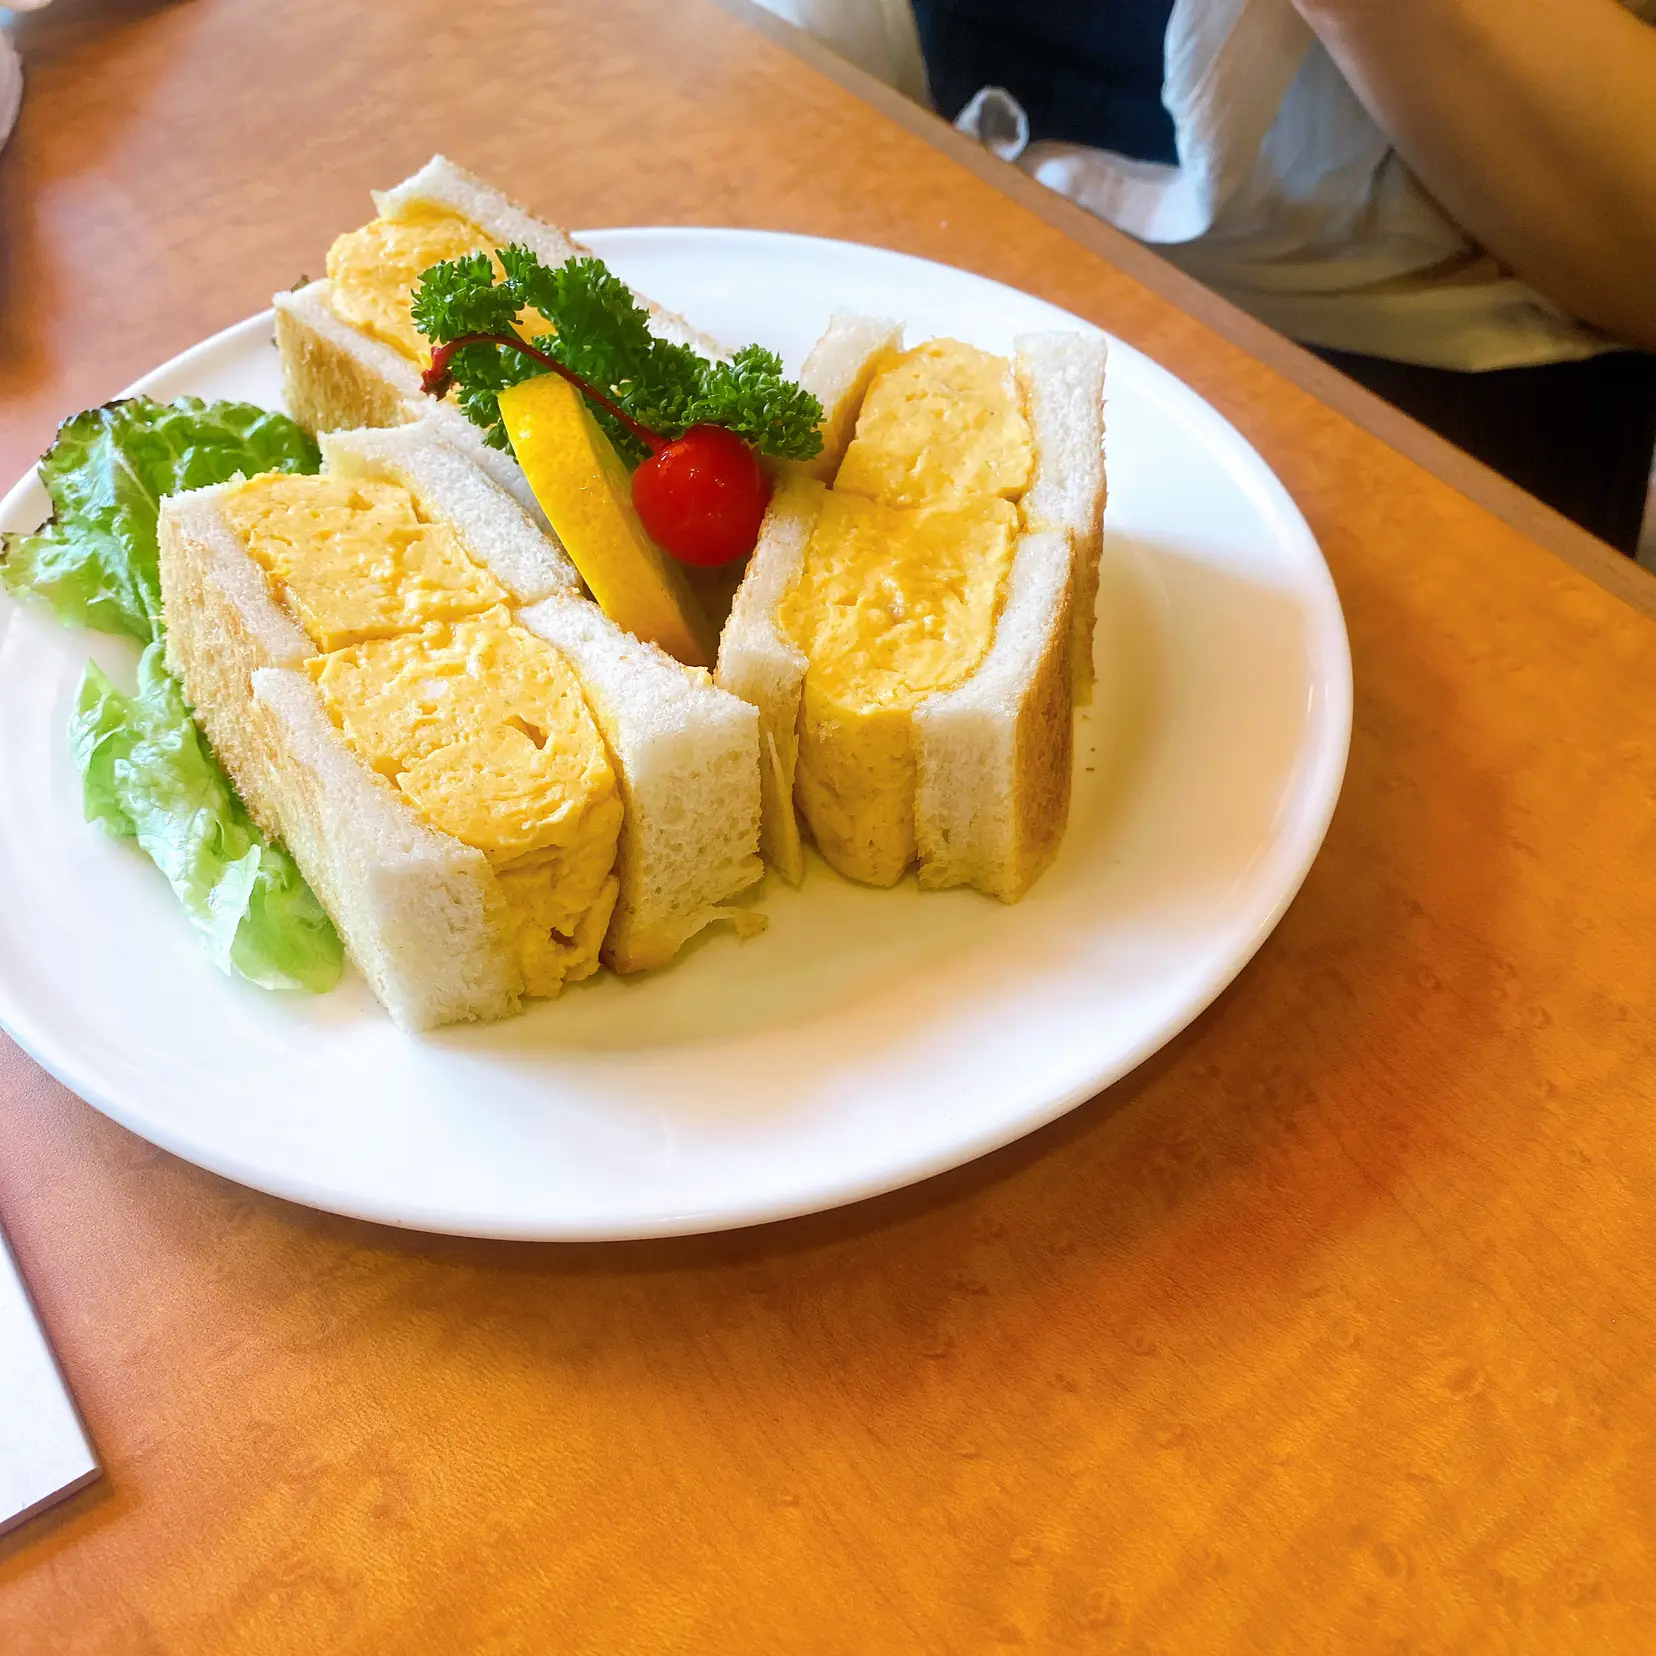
(437, 379)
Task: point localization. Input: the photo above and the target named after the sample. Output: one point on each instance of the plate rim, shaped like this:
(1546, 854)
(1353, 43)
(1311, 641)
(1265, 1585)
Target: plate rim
(1326, 747)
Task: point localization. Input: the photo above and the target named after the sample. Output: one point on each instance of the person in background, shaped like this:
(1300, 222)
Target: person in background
(1454, 201)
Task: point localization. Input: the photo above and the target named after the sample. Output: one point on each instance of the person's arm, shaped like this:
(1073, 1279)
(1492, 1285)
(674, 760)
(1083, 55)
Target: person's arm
(1533, 123)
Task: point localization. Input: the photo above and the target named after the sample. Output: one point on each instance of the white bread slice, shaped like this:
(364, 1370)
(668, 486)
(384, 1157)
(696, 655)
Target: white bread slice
(417, 457)
(842, 364)
(1061, 386)
(222, 626)
(687, 756)
(993, 756)
(335, 377)
(759, 662)
(419, 912)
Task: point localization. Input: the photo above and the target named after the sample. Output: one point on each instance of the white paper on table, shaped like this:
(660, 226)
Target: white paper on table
(11, 70)
(11, 86)
(44, 1451)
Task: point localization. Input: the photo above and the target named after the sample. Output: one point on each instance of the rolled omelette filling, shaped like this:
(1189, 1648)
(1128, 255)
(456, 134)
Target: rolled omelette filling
(372, 273)
(903, 581)
(482, 727)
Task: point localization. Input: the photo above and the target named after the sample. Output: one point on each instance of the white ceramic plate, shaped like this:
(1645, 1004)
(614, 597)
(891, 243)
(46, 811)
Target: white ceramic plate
(869, 1038)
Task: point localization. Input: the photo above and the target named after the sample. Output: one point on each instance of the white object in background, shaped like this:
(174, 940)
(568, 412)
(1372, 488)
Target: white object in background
(44, 1453)
(11, 71)
(11, 85)
(997, 120)
(876, 35)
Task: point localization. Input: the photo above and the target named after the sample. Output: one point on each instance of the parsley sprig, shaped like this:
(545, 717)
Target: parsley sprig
(601, 333)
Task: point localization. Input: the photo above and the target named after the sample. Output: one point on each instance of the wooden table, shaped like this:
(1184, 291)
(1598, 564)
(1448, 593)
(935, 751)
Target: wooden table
(1330, 1329)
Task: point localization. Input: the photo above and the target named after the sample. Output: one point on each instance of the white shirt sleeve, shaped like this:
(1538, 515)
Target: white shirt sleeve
(1288, 199)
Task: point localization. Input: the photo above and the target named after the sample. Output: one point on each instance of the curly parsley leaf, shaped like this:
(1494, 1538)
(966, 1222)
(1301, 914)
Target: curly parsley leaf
(602, 333)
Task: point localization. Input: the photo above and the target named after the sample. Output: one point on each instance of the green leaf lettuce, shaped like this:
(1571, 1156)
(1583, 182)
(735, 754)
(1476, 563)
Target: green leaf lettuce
(95, 562)
(147, 775)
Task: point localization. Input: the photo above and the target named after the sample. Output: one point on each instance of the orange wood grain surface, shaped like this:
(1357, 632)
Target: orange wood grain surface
(1330, 1329)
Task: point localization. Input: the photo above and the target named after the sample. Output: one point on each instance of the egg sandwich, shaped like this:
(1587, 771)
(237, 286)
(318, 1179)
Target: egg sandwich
(491, 787)
(351, 355)
(916, 621)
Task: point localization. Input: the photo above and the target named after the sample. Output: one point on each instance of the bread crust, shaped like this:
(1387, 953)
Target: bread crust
(1061, 385)
(993, 757)
(760, 663)
(335, 378)
(420, 913)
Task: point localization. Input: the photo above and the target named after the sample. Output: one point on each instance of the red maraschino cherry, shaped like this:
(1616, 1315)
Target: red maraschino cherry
(701, 497)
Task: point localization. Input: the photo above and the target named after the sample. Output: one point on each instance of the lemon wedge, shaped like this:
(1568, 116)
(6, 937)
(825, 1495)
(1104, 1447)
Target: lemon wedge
(585, 491)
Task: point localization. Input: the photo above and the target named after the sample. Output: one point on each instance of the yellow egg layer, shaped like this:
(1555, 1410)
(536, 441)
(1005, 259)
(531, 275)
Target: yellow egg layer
(940, 426)
(480, 725)
(483, 727)
(895, 604)
(854, 783)
(892, 605)
(355, 561)
(374, 271)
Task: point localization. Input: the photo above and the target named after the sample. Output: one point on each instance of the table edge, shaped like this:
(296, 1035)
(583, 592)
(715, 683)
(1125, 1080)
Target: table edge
(1614, 571)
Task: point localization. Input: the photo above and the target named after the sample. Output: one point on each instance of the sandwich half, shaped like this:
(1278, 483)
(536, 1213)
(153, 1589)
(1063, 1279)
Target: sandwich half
(910, 634)
(374, 655)
(351, 355)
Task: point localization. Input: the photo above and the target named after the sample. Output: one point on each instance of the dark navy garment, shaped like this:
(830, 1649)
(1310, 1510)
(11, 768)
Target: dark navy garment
(1086, 73)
